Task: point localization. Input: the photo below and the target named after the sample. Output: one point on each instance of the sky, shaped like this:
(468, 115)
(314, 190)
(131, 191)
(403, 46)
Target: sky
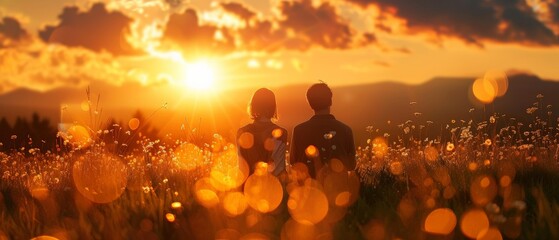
(203, 45)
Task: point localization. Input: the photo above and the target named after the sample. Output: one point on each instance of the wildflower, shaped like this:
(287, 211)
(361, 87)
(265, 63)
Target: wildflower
(531, 110)
(14, 137)
(492, 119)
(406, 130)
(487, 142)
(466, 133)
(450, 147)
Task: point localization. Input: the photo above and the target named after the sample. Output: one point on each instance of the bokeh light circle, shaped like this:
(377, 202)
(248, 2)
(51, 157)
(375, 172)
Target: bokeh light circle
(307, 205)
(474, 222)
(78, 136)
(440, 221)
(101, 178)
(483, 190)
(490, 234)
(189, 156)
(205, 194)
(228, 171)
(235, 203)
(134, 123)
(263, 192)
(484, 91)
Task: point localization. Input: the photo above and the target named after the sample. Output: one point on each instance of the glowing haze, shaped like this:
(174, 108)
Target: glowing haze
(203, 45)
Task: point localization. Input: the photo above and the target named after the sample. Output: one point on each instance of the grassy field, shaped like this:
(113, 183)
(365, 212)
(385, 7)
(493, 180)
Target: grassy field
(496, 179)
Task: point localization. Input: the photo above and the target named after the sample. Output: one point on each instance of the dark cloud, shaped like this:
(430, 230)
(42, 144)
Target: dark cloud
(473, 21)
(239, 10)
(320, 25)
(11, 32)
(261, 35)
(554, 12)
(96, 29)
(174, 3)
(299, 26)
(185, 32)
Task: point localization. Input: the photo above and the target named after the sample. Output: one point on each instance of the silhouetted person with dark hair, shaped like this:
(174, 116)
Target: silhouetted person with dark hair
(322, 138)
(263, 140)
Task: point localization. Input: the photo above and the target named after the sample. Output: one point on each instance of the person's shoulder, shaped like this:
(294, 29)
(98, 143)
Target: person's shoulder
(343, 125)
(245, 128)
(301, 125)
(283, 135)
(278, 127)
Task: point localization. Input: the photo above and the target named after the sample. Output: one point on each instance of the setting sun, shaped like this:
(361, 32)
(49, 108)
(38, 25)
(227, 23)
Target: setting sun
(200, 75)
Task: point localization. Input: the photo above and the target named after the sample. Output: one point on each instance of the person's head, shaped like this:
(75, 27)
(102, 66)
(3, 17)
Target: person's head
(263, 104)
(319, 96)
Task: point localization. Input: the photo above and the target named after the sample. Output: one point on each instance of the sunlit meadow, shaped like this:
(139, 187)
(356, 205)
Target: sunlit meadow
(495, 179)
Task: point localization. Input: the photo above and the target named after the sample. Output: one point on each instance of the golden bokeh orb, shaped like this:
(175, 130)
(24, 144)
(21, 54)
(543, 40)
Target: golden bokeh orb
(205, 194)
(188, 156)
(440, 221)
(263, 192)
(473, 222)
(307, 205)
(235, 203)
(134, 123)
(101, 178)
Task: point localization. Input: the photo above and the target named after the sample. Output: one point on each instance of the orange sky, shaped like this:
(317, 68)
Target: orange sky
(340, 42)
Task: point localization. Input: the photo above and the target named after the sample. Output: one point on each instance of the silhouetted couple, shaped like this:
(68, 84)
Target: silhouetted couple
(314, 143)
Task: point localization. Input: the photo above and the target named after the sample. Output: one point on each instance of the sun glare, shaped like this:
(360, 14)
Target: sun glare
(200, 76)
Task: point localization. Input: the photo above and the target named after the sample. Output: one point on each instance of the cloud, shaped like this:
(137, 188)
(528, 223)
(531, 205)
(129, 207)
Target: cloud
(299, 25)
(47, 67)
(175, 3)
(96, 29)
(11, 32)
(472, 21)
(320, 25)
(184, 31)
(239, 10)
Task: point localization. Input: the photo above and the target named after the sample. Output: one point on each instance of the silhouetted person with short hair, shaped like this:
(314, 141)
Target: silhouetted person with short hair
(322, 138)
(263, 140)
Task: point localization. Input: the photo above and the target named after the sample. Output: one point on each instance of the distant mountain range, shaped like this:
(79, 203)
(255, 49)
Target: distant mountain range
(438, 100)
